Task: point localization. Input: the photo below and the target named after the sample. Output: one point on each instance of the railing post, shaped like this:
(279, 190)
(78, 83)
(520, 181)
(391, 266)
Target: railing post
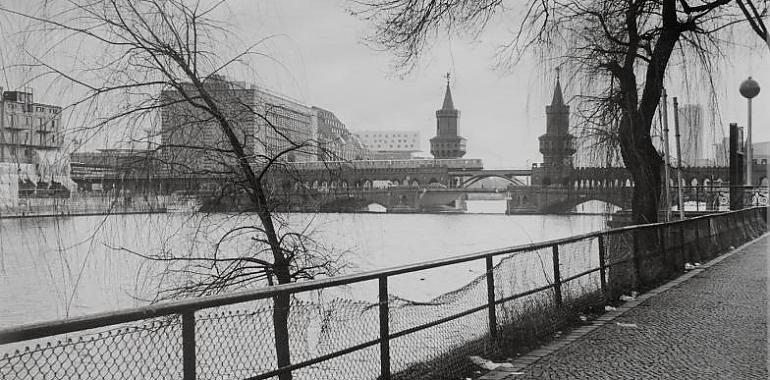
(602, 266)
(556, 276)
(384, 329)
(188, 345)
(491, 299)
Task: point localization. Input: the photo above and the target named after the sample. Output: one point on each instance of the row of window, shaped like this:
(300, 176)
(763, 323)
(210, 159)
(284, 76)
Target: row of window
(51, 110)
(398, 146)
(16, 121)
(387, 135)
(47, 140)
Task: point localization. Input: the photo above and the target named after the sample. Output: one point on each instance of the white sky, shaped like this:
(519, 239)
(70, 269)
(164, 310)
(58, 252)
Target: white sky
(324, 62)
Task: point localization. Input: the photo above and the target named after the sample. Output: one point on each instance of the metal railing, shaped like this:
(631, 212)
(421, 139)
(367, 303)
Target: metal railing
(209, 338)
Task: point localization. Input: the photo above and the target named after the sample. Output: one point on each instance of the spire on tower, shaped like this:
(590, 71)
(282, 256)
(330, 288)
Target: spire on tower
(558, 99)
(448, 103)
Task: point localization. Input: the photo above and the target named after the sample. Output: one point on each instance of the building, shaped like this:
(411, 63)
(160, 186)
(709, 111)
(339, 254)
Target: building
(447, 143)
(266, 125)
(390, 145)
(31, 160)
(335, 142)
(557, 145)
(691, 134)
(27, 128)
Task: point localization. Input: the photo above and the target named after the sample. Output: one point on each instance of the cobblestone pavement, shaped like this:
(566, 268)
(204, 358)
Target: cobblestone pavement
(713, 326)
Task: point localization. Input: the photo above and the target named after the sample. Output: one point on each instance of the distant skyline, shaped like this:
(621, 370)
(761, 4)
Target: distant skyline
(323, 61)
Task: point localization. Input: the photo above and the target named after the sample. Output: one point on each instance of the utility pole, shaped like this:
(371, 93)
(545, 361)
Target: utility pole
(680, 202)
(664, 123)
(749, 89)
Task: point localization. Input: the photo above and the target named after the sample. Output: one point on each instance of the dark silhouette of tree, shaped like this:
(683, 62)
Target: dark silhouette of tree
(618, 50)
(140, 62)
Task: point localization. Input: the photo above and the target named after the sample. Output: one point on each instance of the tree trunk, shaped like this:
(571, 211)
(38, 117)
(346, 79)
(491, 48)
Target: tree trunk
(644, 163)
(281, 330)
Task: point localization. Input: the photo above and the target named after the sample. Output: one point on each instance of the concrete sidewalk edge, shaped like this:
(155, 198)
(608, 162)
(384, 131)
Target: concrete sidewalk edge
(532, 357)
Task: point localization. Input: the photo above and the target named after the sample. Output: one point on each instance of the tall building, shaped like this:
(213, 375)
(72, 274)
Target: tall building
(335, 141)
(557, 144)
(265, 124)
(447, 143)
(32, 163)
(691, 133)
(390, 145)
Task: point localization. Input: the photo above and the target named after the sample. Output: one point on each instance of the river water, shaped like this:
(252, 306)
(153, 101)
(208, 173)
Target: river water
(70, 266)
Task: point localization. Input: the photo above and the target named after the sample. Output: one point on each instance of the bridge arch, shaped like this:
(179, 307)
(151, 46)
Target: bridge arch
(481, 178)
(376, 207)
(615, 199)
(596, 206)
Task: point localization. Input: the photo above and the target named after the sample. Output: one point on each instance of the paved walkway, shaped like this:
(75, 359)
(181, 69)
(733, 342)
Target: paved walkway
(710, 325)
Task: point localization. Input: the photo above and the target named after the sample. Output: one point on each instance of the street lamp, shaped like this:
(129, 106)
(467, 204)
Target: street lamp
(749, 89)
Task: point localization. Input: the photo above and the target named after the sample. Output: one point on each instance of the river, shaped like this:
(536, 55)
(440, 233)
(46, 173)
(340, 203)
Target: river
(70, 266)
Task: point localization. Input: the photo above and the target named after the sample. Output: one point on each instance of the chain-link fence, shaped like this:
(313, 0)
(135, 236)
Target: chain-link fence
(524, 293)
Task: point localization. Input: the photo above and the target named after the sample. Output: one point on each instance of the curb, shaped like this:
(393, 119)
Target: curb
(519, 364)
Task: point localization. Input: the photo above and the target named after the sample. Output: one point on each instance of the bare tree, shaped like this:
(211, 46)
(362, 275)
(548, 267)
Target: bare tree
(755, 18)
(164, 61)
(618, 50)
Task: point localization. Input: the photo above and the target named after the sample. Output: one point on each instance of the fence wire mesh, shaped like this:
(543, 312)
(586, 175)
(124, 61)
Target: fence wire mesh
(621, 275)
(238, 341)
(150, 350)
(234, 344)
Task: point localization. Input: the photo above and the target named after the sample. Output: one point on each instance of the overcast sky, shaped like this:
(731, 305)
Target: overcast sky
(502, 112)
(324, 62)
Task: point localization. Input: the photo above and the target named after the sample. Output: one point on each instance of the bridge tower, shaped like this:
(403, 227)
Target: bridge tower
(556, 145)
(447, 143)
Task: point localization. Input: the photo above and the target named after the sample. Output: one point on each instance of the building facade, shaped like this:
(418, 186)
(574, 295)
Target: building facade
(32, 163)
(265, 124)
(557, 145)
(27, 127)
(390, 145)
(335, 141)
(447, 143)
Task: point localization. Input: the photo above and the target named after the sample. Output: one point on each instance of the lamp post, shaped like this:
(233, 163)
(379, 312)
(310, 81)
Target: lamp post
(749, 89)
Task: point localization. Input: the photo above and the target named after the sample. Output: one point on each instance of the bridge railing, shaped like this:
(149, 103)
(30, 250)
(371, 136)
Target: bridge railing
(526, 289)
